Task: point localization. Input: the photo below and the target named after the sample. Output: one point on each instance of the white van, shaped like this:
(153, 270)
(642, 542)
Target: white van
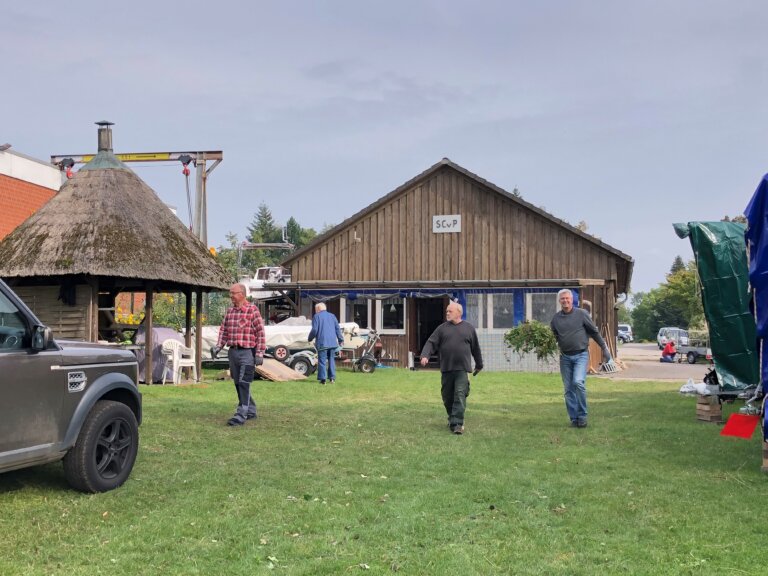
(668, 333)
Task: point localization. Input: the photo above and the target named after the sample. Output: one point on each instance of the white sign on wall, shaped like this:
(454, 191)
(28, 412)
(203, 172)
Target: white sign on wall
(446, 223)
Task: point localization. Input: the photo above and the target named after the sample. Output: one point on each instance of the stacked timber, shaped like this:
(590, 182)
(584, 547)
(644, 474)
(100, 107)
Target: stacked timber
(708, 409)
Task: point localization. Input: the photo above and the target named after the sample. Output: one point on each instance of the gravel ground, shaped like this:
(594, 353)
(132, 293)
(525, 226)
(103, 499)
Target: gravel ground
(641, 362)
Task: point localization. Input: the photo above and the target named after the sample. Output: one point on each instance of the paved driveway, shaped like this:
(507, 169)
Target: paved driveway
(641, 362)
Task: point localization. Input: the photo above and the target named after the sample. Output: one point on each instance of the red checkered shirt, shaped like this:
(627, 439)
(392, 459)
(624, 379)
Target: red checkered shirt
(243, 327)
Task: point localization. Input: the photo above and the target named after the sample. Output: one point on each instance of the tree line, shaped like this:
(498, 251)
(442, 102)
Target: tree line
(262, 228)
(676, 302)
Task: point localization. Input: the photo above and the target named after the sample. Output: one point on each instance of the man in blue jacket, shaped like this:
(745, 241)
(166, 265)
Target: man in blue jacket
(327, 335)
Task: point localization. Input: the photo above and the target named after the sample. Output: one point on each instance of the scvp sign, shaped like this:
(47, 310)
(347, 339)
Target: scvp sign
(446, 223)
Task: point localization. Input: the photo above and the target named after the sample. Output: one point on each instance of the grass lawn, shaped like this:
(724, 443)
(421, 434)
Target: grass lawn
(364, 477)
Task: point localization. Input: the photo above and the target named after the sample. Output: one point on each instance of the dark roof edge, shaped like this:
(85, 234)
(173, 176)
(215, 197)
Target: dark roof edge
(409, 284)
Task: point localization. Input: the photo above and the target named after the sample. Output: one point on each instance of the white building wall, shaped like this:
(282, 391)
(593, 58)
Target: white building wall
(25, 168)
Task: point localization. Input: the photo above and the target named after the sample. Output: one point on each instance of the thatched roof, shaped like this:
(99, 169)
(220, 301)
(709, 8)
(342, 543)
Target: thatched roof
(106, 222)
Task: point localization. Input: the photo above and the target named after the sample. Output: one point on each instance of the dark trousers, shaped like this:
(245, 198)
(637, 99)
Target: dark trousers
(241, 367)
(455, 385)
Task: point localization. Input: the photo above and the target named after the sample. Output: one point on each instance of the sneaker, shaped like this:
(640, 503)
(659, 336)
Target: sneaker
(251, 416)
(458, 429)
(574, 424)
(333, 381)
(581, 423)
(322, 381)
(236, 420)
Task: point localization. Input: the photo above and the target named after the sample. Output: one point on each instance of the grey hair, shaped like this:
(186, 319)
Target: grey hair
(458, 306)
(320, 306)
(564, 291)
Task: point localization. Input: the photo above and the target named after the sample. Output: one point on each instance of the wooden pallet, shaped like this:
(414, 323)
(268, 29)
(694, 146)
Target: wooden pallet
(277, 371)
(708, 409)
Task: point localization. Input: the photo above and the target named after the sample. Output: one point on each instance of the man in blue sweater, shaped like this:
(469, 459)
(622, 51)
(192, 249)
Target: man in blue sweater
(573, 328)
(326, 329)
(456, 343)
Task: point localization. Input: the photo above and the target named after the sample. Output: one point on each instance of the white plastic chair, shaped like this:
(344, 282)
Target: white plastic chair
(177, 357)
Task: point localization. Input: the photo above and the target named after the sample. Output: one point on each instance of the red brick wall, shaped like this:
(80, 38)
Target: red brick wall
(18, 201)
(130, 302)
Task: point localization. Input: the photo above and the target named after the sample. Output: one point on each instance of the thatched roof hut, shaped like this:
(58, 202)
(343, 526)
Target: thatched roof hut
(105, 232)
(106, 222)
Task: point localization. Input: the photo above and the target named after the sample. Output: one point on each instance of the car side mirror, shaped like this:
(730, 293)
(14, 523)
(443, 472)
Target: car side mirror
(41, 337)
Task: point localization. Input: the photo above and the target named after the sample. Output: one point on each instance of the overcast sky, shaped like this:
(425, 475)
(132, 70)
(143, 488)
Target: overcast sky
(627, 115)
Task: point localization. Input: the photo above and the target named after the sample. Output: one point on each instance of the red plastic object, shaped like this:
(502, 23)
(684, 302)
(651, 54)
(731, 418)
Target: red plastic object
(740, 426)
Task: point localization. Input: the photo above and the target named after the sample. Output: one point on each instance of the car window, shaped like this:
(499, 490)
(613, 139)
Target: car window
(13, 327)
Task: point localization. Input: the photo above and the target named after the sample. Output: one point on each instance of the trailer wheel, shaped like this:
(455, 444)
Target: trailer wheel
(302, 366)
(280, 353)
(692, 357)
(367, 366)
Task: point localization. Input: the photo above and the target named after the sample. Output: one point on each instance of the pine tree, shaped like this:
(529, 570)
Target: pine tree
(297, 235)
(677, 265)
(264, 229)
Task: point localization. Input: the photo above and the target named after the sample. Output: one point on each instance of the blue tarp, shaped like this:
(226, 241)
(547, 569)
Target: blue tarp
(757, 245)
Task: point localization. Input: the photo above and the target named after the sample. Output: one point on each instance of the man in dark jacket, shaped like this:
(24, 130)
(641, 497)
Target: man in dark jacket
(455, 341)
(573, 328)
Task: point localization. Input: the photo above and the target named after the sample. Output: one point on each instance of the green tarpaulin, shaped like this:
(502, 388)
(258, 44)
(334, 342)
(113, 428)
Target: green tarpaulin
(721, 259)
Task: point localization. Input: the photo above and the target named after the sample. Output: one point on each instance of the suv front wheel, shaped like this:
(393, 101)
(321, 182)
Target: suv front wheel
(103, 456)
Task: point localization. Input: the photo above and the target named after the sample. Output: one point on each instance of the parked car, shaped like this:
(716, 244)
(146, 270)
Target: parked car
(668, 333)
(72, 401)
(625, 333)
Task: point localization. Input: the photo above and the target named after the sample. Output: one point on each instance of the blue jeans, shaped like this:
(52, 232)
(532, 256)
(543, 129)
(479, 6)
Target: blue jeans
(573, 370)
(326, 364)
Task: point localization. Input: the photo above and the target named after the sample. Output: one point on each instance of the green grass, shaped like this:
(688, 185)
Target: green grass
(364, 477)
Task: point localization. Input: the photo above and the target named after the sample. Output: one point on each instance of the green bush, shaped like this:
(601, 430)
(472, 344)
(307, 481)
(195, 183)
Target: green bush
(533, 337)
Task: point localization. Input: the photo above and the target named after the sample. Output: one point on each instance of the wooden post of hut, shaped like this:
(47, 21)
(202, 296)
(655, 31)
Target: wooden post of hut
(148, 324)
(199, 332)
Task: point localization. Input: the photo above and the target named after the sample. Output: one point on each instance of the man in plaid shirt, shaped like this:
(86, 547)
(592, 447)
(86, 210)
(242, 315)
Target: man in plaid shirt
(243, 331)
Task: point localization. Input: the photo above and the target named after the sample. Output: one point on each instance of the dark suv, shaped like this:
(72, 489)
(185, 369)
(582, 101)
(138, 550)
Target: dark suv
(74, 401)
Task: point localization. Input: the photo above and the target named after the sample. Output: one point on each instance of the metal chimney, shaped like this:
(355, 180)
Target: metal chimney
(105, 135)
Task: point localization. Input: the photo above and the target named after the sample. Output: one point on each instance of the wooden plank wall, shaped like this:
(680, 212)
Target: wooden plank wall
(395, 346)
(500, 240)
(68, 322)
(603, 312)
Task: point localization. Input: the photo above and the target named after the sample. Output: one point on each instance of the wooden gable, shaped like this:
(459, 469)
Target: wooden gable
(502, 237)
